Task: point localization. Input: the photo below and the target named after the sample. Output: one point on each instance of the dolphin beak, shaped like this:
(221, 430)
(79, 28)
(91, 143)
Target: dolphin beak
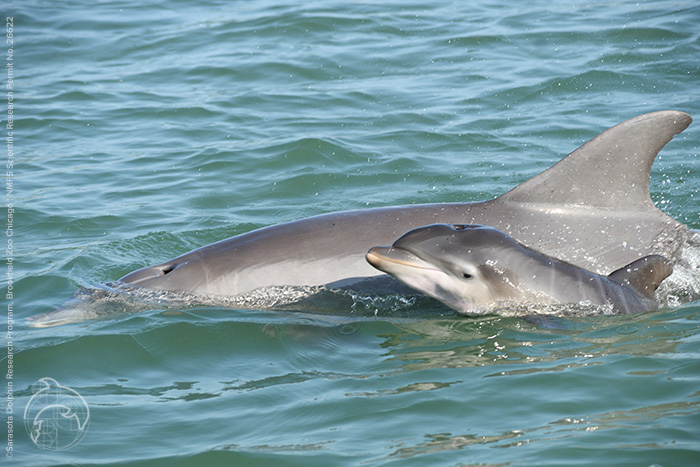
(383, 258)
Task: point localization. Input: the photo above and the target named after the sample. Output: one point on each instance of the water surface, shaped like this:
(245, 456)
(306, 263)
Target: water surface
(144, 131)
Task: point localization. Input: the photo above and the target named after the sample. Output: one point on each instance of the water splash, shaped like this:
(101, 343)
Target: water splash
(683, 286)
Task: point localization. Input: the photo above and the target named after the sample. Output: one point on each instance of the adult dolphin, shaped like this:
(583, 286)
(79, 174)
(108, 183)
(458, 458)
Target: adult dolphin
(591, 209)
(475, 269)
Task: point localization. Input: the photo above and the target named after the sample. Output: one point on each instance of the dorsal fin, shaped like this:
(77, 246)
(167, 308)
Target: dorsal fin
(611, 171)
(644, 275)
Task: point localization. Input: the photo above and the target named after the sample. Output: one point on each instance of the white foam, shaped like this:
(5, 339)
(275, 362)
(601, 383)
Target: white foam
(683, 286)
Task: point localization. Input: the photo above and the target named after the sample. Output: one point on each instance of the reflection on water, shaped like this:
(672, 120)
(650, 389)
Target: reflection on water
(458, 343)
(562, 429)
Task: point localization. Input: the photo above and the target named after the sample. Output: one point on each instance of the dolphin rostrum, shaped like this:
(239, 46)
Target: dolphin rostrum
(475, 269)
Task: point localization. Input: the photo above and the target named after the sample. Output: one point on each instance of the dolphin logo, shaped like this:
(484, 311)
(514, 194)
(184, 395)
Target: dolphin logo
(56, 416)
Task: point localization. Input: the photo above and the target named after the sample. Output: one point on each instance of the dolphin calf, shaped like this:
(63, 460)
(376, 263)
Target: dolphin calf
(591, 209)
(474, 269)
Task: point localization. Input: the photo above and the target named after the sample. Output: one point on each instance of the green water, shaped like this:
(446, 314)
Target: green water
(143, 131)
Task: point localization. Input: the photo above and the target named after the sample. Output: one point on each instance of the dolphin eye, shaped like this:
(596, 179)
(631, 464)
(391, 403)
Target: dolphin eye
(466, 275)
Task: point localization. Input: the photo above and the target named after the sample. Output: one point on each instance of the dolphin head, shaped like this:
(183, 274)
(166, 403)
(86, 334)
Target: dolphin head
(467, 267)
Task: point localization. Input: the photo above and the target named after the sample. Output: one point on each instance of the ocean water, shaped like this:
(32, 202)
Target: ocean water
(143, 130)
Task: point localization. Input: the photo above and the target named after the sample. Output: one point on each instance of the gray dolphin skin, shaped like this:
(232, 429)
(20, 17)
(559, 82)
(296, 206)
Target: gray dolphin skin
(592, 209)
(474, 269)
